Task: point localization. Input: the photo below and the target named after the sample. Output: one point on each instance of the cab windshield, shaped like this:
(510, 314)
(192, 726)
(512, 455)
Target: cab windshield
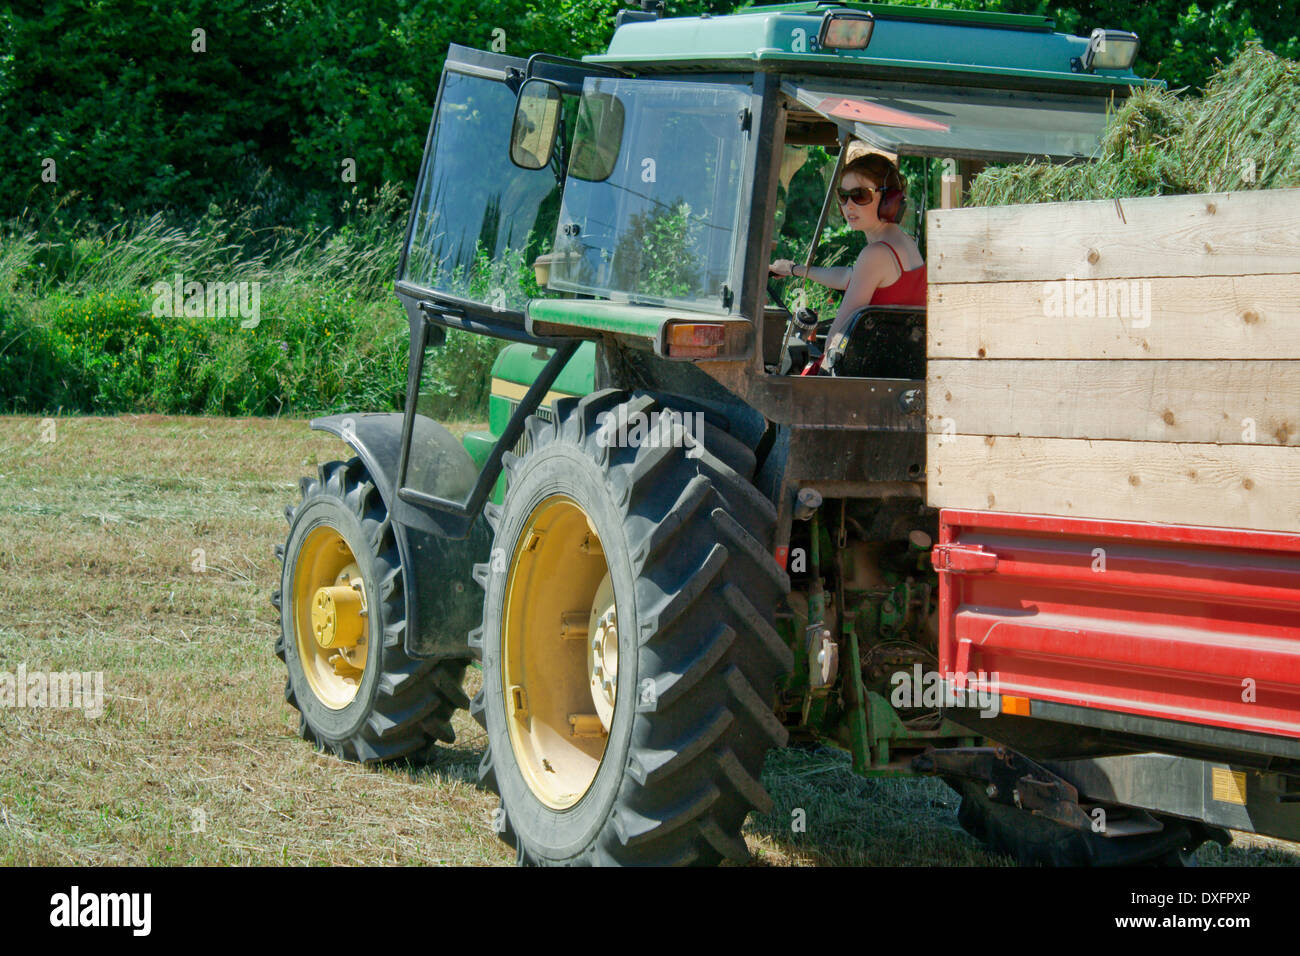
(480, 223)
(650, 216)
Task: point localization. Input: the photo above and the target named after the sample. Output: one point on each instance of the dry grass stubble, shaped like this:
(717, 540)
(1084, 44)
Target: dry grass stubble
(195, 759)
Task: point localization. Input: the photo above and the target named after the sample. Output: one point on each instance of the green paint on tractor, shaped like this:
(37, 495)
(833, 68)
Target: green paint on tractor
(516, 367)
(782, 37)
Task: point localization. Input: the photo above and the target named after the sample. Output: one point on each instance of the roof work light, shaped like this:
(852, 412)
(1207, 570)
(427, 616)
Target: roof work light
(1110, 50)
(846, 30)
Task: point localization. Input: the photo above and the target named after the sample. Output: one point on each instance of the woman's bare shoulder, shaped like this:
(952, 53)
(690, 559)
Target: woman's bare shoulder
(906, 248)
(872, 253)
(874, 265)
(877, 255)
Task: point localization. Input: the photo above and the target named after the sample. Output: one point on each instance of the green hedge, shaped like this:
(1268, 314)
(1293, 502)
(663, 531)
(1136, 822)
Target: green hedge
(108, 353)
(284, 91)
(137, 122)
(314, 352)
(80, 329)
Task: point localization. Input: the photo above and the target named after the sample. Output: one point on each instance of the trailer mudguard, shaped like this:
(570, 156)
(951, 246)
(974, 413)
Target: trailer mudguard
(437, 570)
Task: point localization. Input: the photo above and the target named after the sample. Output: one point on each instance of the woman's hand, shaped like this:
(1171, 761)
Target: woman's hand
(781, 267)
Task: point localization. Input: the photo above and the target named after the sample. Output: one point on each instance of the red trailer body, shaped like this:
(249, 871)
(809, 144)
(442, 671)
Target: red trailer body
(1185, 623)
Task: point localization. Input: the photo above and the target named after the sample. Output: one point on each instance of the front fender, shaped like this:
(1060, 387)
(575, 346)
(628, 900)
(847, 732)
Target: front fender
(442, 603)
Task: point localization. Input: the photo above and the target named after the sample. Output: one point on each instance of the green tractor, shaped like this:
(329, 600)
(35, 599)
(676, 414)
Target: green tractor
(671, 553)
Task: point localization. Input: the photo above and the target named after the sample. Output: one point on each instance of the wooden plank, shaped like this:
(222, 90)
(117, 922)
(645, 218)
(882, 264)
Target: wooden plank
(1239, 486)
(1207, 234)
(1239, 317)
(1231, 403)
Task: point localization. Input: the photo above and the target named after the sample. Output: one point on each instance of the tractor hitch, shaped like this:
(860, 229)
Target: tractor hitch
(1012, 779)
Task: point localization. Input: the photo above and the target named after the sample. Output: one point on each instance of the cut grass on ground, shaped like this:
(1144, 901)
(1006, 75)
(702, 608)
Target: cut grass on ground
(195, 759)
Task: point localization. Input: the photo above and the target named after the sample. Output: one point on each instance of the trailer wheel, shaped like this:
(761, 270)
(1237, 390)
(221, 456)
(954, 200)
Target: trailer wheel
(1033, 840)
(629, 653)
(343, 625)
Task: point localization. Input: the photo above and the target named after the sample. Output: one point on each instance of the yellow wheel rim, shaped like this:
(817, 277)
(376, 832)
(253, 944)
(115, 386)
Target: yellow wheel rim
(559, 655)
(330, 617)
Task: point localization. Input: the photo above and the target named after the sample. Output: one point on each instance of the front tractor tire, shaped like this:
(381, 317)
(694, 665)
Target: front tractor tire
(343, 626)
(628, 645)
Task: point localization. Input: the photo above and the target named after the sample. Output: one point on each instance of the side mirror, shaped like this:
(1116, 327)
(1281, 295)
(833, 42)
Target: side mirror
(597, 137)
(537, 119)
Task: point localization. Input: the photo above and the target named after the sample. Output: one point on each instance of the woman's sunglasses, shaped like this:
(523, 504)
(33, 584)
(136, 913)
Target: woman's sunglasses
(861, 195)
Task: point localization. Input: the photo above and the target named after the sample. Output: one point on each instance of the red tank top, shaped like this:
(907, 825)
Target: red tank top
(907, 289)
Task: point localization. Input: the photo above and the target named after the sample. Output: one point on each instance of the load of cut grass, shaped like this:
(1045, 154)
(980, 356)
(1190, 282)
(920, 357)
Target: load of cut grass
(1243, 133)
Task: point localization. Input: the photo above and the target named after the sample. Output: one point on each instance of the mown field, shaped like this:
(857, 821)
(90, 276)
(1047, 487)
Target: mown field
(195, 759)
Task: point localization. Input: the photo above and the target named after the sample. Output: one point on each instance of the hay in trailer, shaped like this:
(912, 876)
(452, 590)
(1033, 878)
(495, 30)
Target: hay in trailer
(1243, 133)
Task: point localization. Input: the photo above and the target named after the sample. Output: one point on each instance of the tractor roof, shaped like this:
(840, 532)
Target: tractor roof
(917, 44)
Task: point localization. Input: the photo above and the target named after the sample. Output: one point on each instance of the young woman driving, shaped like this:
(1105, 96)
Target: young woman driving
(890, 269)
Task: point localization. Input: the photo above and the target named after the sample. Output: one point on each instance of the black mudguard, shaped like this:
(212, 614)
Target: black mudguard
(441, 601)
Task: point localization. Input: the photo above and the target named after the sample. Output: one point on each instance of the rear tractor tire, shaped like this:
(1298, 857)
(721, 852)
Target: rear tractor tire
(629, 653)
(343, 625)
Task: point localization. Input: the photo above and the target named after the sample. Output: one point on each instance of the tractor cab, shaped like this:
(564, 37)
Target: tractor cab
(636, 197)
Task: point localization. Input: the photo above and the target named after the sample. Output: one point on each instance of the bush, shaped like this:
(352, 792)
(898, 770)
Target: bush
(79, 330)
(283, 92)
(314, 351)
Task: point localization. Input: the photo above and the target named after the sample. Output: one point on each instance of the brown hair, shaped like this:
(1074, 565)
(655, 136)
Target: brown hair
(876, 168)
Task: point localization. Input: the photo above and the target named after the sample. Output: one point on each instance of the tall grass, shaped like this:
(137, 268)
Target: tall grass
(78, 331)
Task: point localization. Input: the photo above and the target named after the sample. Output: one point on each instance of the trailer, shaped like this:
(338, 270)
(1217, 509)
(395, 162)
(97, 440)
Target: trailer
(1113, 455)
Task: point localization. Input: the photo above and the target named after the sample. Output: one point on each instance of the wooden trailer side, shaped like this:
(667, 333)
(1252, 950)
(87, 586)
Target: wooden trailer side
(1135, 360)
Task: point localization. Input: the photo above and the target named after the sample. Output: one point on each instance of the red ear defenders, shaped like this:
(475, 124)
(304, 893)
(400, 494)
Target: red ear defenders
(893, 202)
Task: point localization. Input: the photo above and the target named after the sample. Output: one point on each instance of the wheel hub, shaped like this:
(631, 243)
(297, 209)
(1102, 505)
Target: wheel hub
(336, 619)
(602, 652)
(330, 617)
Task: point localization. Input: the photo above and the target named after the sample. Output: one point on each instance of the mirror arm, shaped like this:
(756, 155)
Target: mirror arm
(580, 69)
(560, 152)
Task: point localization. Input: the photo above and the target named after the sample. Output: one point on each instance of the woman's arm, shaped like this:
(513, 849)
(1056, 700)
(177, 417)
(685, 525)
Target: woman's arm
(836, 277)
